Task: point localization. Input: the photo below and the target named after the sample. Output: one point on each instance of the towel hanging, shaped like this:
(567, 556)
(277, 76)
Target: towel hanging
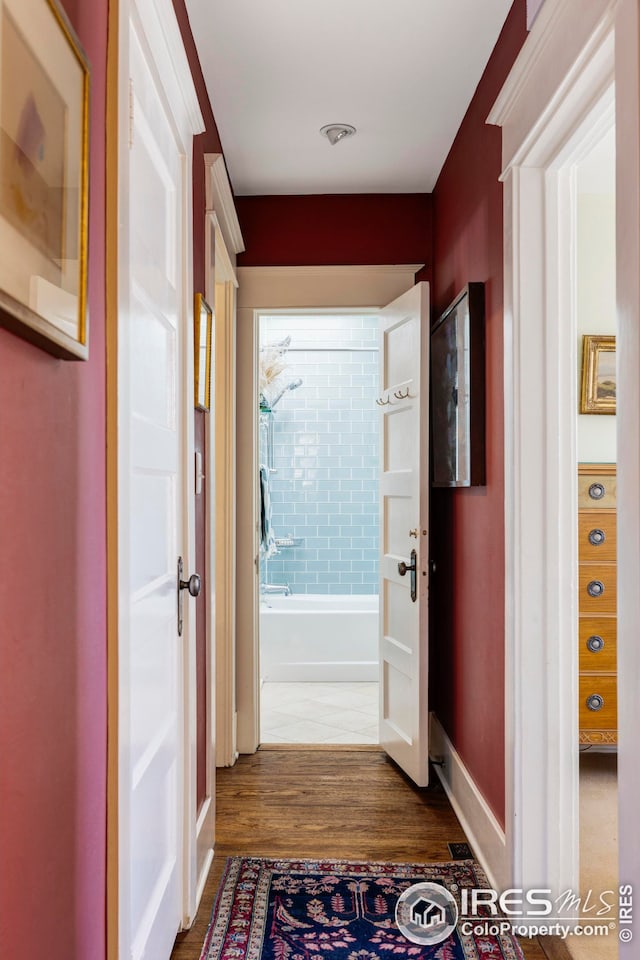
(268, 547)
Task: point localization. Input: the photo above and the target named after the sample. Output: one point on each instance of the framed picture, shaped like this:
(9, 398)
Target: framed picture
(203, 335)
(44, 172)
(599, 383)
(458, 392)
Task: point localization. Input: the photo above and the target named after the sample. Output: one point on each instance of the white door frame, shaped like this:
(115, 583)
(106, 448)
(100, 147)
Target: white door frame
(173, 72)
(556, 100)
(223, 241)
(310, 289)
(220, 285)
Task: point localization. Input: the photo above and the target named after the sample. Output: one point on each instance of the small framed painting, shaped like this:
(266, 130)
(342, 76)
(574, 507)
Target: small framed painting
(458, 392)
(44, 173)
(203, 335)
(599, 384)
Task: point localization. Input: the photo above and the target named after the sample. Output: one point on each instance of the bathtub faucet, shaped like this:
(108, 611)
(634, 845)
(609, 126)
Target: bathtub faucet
(282, 588)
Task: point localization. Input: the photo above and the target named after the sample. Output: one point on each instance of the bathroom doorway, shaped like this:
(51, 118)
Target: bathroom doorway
(319, 519)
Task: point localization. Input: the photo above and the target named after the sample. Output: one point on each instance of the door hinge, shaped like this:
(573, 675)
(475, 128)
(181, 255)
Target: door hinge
(130, 113)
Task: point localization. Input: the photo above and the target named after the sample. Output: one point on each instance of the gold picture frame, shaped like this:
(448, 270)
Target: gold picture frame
(599, 384)
(44, 178)
(202, 340)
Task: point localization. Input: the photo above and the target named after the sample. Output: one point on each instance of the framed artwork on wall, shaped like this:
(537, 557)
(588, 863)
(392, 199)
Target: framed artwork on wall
(599, 383)
(203, 331)
(458, 392)
(44, 178)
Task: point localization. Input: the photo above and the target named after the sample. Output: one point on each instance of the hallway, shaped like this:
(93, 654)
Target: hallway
(345, 803)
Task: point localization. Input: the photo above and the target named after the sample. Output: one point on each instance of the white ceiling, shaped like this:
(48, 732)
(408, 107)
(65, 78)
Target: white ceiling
(402, 71)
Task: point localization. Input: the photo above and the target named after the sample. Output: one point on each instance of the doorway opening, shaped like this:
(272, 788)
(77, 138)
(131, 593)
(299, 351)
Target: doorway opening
(319, 520)
(595, 262)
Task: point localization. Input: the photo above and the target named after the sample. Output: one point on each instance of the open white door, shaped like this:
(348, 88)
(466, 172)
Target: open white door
(404, 513)
(156, 810)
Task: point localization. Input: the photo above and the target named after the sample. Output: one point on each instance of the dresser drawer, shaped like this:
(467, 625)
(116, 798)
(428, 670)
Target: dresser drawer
(596, 490)
(598, 703)
(597, 535)
(597, 644)
(597, 588)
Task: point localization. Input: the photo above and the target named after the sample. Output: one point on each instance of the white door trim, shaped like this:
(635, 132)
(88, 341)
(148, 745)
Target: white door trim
(627, 68)
(557, 96)
(161, 30)
(223, 241)
(278, 289)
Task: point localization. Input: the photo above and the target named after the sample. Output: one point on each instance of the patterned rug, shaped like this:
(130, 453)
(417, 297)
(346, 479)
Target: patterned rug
(336, 910)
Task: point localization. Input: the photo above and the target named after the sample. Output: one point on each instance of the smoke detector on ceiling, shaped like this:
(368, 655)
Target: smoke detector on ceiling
(335, 132)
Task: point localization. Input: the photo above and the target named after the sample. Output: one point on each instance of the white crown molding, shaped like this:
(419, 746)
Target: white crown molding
(567, 37)
(531, 52)
(174, 72)
(219, 200)
(335, 270)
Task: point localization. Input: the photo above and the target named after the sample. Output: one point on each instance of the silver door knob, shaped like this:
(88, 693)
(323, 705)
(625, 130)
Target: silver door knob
(193, 584)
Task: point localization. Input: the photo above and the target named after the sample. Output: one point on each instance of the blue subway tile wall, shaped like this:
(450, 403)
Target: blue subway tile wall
(324, 490)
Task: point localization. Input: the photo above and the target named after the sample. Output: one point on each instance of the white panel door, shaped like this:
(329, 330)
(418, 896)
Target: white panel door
(404, 506)
(152, 337)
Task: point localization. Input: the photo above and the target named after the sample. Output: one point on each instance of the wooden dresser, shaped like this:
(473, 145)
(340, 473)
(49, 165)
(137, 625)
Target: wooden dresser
(597, 603)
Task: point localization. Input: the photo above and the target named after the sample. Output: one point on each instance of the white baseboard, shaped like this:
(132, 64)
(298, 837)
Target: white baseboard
(204, 876)
(483, 831)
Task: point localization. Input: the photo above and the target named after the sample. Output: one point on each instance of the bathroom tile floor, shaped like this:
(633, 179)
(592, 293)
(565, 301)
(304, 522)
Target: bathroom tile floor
(319, 713)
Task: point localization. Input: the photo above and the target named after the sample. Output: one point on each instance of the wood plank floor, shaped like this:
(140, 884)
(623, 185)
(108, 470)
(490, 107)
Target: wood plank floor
(352, 804)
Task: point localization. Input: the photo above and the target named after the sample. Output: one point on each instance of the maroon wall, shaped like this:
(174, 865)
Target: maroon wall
(467, 624)
(336, 229)
(207, 142)
(53, 611)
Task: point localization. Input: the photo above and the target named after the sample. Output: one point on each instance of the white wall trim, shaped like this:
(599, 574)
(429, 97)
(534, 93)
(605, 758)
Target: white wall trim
(225, 268)
(336, 271)
(478, 821)
(532, 56)
(219, 197)
(174, 72)
(556, 99)
(226, 550)
(549, 72)
(628, 429)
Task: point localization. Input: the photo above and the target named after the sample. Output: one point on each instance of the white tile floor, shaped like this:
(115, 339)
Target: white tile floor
(319, 713)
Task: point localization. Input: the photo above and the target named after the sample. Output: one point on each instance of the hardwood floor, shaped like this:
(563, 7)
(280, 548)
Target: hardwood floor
(352, 804)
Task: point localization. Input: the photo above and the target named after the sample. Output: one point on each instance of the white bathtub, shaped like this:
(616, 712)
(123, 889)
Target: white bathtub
(317, 637)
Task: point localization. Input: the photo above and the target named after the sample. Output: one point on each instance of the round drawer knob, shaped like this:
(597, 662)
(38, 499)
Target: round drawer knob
(595, 588)
(595, 702)
(595, 644)
(597, 491)
(596, 537)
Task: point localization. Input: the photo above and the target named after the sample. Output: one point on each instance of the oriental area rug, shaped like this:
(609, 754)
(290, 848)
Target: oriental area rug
(277, 909)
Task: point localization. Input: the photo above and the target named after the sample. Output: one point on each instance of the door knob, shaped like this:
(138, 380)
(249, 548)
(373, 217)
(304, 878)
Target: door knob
(193, 584)
(405, 568)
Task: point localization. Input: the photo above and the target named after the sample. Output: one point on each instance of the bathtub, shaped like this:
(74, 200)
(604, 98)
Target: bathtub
(318, 637)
